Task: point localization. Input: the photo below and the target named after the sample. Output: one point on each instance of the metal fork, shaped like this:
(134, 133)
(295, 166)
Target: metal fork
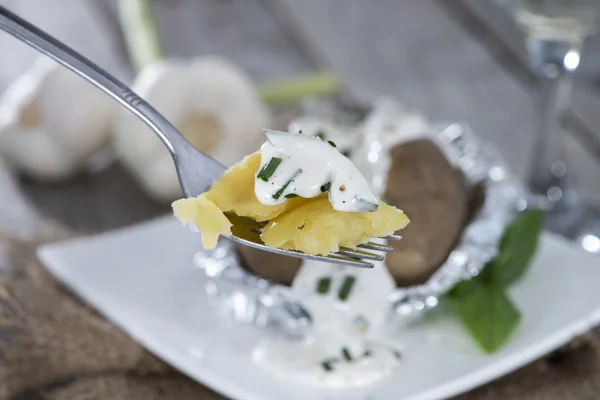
(196, 170)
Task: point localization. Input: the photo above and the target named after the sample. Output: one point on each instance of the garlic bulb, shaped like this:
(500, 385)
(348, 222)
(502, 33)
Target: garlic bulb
(51, 121)
(209, 100)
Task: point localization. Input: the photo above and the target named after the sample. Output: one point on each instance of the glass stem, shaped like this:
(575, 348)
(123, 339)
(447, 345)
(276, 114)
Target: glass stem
(549, 170)
(554, 64)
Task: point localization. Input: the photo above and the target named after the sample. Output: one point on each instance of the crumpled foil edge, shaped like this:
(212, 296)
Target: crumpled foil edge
(503, 198)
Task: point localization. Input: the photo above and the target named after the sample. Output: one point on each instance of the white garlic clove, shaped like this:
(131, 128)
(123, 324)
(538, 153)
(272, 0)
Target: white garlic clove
(38, 155)
(51, 121)
(209, 100)
(161, 179)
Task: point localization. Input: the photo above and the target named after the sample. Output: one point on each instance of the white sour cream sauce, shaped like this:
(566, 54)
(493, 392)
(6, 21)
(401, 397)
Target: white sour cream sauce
(345, 137)
(358, 323)
(355, 324)
(310, 166)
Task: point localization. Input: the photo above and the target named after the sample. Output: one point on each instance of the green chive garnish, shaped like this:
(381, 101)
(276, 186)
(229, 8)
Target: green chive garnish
(331, 143)
(278, 194)
(367, 353)
(397, 354)
(327, 365)
(268, 170)
(300, 131)
(323, 285)
(346, 354)
(346, 287)
(291, 195)
(320, 135)
(325, 187)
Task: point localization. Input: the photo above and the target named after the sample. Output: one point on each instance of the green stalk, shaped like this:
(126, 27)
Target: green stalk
(141, 32)
(292, 90)
(144, 47)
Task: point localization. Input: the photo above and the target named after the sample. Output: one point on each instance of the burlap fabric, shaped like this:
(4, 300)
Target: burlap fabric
(53, 347)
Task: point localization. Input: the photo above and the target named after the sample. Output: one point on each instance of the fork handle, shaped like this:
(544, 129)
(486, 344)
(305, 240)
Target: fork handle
(71, 59)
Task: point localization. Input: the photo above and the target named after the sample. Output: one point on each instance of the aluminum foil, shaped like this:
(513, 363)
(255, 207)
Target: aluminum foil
(256, 301)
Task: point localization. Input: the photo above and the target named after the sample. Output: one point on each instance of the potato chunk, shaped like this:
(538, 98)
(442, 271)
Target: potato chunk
(308, 225)
(209, 219)
(234, 192)
(315, 227)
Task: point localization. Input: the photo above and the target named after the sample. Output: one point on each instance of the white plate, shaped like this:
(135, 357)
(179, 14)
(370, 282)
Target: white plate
(143, 279)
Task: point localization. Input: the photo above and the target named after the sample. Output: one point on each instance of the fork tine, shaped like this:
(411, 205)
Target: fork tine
(254, 241)
(394, 237)
(348, 252)
(352, 262)
(376, 247)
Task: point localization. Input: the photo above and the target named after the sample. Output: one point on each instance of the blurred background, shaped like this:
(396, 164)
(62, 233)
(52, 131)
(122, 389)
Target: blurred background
(460, 60)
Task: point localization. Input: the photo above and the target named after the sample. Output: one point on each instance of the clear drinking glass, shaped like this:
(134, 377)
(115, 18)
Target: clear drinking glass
(555, 32)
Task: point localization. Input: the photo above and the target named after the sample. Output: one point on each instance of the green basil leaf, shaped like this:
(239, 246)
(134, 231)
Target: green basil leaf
(517, 247)
(486, 312)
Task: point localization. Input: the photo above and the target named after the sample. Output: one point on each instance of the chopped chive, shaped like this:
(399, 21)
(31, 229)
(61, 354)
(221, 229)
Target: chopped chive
(278, 194)
(290, 195)
(327, 365)
(346, 287)
(320, 135)
(323, 285)
(366, 354)
(346, 153)
(300, 131)
(346, 354)
(397, 354)
(268, 170)
(332, 143)
(325, 187)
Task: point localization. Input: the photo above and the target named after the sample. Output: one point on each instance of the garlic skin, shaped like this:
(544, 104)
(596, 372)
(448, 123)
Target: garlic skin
(209, 100)
(52, 121)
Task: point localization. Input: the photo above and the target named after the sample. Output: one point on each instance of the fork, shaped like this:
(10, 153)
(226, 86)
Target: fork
(196, 170)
